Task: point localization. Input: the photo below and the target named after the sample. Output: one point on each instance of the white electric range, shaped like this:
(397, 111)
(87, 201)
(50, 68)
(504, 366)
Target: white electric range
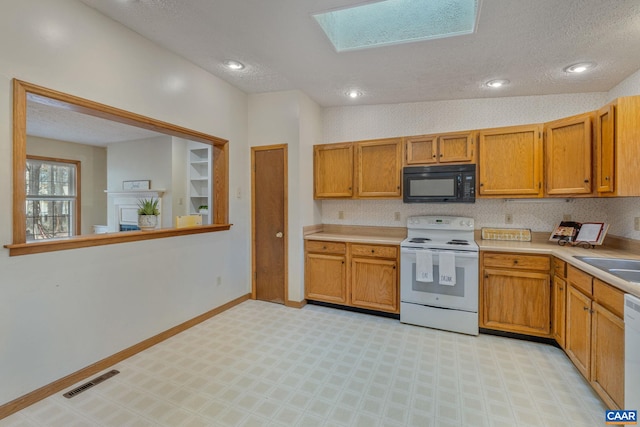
(427, 297)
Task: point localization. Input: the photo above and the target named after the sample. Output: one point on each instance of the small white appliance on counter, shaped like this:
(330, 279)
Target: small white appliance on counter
(439, 274)
(631, 352)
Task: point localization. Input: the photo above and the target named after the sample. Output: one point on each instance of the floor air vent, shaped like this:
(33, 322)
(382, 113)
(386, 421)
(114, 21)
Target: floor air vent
(90, 384)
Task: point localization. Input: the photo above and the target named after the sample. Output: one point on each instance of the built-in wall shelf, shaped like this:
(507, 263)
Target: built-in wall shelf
(199, 176)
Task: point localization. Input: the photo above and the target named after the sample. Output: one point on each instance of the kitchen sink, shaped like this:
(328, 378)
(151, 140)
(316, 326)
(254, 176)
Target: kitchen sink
(630, 275)
(626, 269)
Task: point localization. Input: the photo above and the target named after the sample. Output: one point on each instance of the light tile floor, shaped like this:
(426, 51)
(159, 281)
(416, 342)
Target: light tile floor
(262, 364)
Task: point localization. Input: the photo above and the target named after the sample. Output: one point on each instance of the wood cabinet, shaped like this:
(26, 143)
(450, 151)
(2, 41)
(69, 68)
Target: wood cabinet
(325, 272)
(568, 161)
(510, 162)
(356, 275)
(595, 334)
(605, 149)
(559, 300)
(456, 147)
(374, 277)
(333, 171)
(364, 169)
(379, 168)
(515, 293)
(617, 149)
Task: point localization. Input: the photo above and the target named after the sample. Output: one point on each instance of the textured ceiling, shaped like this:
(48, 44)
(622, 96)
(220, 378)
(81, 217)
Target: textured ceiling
(46, 121)
(528, 42)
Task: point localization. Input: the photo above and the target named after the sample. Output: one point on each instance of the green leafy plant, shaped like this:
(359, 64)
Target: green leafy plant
(203, 207)
(148, 207)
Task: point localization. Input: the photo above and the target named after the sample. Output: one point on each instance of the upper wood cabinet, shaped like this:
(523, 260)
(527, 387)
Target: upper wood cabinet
(364, 169)
(379, 168)
(333, 170)
(510, 162)
(617, 148)
(605, 149)
(568, 144)
(445, 148)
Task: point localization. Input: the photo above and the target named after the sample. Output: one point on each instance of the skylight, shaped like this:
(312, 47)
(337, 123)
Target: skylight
(397, 21)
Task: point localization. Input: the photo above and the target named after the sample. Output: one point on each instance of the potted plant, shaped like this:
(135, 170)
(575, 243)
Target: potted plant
(148, 213)
(203, 209)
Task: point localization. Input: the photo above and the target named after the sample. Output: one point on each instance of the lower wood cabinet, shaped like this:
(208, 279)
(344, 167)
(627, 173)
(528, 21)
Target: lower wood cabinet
(357, 275)
(595, 334)
(515, 294)
(559, 301)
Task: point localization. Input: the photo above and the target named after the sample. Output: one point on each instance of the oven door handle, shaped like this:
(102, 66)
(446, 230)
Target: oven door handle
(436, 252)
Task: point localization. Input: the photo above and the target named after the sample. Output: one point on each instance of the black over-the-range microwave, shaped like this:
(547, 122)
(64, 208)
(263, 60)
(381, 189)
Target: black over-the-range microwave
(439, 184)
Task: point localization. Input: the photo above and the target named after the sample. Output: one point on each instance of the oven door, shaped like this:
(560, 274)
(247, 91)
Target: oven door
(462, 296)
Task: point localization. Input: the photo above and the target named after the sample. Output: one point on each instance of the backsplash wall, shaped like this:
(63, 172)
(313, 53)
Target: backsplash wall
(536, 215)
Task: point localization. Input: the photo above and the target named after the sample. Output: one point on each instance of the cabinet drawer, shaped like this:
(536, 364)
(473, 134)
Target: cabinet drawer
(559, 267)
(519, 261)
(326, 247)
(580, 279)
(609, 297)
(373, 250)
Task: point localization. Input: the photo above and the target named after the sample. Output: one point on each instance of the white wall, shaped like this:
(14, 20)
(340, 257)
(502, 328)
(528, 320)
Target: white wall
(62, 311)
(142, 159)
(379, 121)
(291, 118)
(93, 175)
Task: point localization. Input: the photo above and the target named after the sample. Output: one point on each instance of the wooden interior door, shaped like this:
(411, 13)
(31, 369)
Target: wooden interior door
(269, 219)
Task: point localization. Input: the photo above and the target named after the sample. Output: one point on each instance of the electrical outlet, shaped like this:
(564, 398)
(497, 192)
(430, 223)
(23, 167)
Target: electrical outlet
(218, 280)
(508, 218)
(636, 223)
(238, 193)
(340, 214)
(566, 217)
(396, 216)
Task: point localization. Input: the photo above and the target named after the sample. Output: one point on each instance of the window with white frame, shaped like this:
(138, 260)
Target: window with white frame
(52, 202)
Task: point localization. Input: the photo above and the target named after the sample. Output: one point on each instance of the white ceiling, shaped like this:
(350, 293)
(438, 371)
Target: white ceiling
(528, 42)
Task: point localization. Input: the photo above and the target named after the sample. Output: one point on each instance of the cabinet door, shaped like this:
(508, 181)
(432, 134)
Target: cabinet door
(578, 330)
(374, 284)
(333, 170)
(605, 149)
(421, 149)
(559, 309)
(568, 155)
(510, 162)
(455, 148)
(379, 168)
(325, 278)
(516, 301)
(607, 356)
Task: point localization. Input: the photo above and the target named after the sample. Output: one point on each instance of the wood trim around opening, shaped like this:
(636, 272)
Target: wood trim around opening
(22, 90)
(59, 385)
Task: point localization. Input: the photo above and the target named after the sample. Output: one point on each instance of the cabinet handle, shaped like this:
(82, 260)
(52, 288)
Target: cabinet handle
(394, 267)
(481, 185)
(349, 188)
(373, 251)
(324, 247)
(486, 276)
(585, 308)
(515, 261)
(441, 155)
(606, 178)
(434, 156)
(343, 262)
(561, 288)
(586, 180)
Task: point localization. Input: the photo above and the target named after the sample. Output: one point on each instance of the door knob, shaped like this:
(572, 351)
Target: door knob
(279, 234)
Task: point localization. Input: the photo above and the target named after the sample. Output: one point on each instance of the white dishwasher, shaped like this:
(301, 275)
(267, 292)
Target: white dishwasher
(631, 352)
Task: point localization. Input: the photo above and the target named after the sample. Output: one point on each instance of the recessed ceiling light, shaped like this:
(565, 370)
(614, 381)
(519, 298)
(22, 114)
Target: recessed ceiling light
(233, 65)
(579, 68)
(497, 83)
(354, 93)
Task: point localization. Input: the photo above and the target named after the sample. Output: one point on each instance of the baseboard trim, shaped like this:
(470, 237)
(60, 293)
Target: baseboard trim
(59, 385)
(295, 304)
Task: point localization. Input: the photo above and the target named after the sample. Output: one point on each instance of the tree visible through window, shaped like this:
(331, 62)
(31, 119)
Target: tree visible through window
(52, 198)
